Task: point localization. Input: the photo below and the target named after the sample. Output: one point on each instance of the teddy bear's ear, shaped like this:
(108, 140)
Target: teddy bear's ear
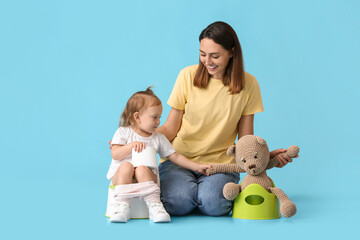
(260, 140)
(231, 150)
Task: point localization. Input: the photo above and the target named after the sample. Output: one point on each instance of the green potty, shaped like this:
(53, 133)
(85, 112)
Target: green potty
(254, 202)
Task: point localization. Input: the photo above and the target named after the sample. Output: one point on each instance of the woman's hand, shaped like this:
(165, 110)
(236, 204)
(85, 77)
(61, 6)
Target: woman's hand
(282, 158)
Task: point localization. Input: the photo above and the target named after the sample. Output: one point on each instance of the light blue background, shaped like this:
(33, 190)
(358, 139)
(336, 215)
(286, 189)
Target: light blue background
(68, 67)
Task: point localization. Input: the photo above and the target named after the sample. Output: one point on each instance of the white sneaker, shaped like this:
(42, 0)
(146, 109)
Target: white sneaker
(121, 213)
(157, 212)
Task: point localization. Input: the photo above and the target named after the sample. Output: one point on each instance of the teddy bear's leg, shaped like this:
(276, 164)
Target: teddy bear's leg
(231, 190)
(288, 208)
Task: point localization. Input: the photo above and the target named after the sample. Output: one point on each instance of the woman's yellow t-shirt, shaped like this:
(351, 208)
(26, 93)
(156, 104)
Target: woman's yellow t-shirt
(211, 116)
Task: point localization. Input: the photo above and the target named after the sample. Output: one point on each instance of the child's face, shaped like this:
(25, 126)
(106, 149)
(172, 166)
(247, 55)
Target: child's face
(149, 120)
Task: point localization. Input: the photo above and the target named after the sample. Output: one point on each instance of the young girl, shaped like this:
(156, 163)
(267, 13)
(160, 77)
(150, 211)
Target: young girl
(136, 131)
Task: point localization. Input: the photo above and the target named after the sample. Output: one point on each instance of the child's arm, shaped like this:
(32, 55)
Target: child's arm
(182, 161)
(119, 152)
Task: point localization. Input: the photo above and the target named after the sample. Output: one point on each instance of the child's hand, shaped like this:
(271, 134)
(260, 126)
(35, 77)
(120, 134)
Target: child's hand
(204, 169)
(210, 171)
(138, 146)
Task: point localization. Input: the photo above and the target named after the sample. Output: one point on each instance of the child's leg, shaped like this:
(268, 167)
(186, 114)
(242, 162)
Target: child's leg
(124, 174)
(121, 205)
(144, 174)
(151, 194)
(122, 178)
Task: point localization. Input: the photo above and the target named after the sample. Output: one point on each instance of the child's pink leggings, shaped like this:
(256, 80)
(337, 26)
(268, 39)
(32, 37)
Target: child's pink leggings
(149, 191)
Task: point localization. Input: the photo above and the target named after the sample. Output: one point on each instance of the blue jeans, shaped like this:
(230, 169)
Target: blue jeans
(183, 190)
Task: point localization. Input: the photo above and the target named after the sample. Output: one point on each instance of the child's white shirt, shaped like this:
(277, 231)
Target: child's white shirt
(125, 135)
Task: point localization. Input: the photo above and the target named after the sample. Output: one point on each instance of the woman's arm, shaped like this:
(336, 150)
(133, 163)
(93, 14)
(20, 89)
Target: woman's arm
(246, 125)
(172, 125)
(282, 158)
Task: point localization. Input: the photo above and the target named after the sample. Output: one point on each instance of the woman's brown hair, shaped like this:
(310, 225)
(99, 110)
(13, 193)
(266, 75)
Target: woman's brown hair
(223, 34)
(137, 103)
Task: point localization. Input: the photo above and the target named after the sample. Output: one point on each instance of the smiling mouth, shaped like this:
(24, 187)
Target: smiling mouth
(211, 68)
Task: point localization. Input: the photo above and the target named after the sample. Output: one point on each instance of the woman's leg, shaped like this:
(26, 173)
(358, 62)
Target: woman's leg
(211, 199)
(178, 188)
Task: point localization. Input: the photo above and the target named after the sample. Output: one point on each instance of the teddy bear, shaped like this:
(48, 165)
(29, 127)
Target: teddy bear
(252, 156)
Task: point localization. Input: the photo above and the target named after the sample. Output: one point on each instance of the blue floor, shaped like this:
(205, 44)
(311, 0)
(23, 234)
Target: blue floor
(66, 209)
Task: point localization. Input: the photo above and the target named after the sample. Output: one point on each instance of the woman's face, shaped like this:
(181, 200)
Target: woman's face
(215, 57)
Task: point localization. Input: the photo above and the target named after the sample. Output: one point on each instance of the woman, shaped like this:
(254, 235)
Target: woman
(211, 103)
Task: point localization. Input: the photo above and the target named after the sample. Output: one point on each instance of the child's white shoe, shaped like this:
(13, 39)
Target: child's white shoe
(121, 213)
(157, 212)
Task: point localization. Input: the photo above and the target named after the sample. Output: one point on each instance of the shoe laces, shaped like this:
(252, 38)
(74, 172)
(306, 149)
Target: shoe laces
(158, 207)
(121, 207)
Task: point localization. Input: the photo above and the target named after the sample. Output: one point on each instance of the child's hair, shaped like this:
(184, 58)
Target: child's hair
(137, 103)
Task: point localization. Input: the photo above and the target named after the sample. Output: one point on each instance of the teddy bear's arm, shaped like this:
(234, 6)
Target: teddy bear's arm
(224, 168)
